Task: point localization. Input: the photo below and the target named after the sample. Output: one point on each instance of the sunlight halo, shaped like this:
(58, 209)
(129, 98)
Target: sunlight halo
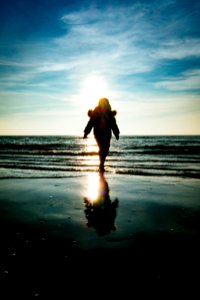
(93, 88)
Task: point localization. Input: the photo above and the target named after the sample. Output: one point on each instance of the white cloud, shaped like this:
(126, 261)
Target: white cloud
(81, 17)
(189, 80)
(178, 49)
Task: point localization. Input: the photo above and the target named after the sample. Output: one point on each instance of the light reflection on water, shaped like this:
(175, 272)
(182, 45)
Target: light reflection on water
(91, 145)
(93, 186)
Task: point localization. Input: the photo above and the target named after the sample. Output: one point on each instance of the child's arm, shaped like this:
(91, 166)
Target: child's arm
(115, 128)
(89, 125)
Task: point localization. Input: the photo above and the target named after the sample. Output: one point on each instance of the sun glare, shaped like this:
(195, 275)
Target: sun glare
(93, 88)
(91, 145)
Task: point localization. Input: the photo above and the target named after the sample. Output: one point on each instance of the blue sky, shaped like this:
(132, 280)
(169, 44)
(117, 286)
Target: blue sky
(57, 58)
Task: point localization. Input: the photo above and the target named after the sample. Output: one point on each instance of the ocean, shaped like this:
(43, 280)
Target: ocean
(64, 156)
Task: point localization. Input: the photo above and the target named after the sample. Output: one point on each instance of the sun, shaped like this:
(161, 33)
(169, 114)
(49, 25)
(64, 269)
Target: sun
(93, 88)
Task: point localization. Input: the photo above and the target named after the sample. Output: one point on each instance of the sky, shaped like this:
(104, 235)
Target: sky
(59, 57)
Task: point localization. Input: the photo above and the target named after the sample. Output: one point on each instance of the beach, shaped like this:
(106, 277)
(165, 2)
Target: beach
(56, 240)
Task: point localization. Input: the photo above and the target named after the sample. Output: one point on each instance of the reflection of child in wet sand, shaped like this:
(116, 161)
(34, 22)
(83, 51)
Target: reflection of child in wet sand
(102, 119)
(101, 212)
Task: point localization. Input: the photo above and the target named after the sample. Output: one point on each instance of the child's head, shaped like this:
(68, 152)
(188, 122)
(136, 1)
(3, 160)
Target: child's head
(104, 104)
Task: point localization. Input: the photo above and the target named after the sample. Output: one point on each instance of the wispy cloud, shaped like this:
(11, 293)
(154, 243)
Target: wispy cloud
(114, 42)
(178, 49)
(189, 80)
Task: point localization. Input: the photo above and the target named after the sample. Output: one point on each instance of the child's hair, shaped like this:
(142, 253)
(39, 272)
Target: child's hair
(104, 104)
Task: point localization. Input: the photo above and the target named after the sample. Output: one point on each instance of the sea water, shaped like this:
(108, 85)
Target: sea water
(63, 156)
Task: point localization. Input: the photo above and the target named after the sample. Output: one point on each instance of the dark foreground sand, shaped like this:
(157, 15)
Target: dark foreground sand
(146, 241)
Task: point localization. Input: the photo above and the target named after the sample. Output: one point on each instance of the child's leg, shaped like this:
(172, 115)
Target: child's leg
(103, 142)
(103, 153)
(102, 161)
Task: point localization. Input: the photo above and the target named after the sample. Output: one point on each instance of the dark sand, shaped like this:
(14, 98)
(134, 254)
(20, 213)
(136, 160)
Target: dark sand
(146, 243)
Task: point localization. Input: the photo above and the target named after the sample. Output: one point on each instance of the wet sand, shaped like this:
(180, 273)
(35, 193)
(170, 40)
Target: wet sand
(141, 236)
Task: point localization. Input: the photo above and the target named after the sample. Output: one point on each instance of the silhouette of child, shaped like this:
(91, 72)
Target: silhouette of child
(102, 120)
